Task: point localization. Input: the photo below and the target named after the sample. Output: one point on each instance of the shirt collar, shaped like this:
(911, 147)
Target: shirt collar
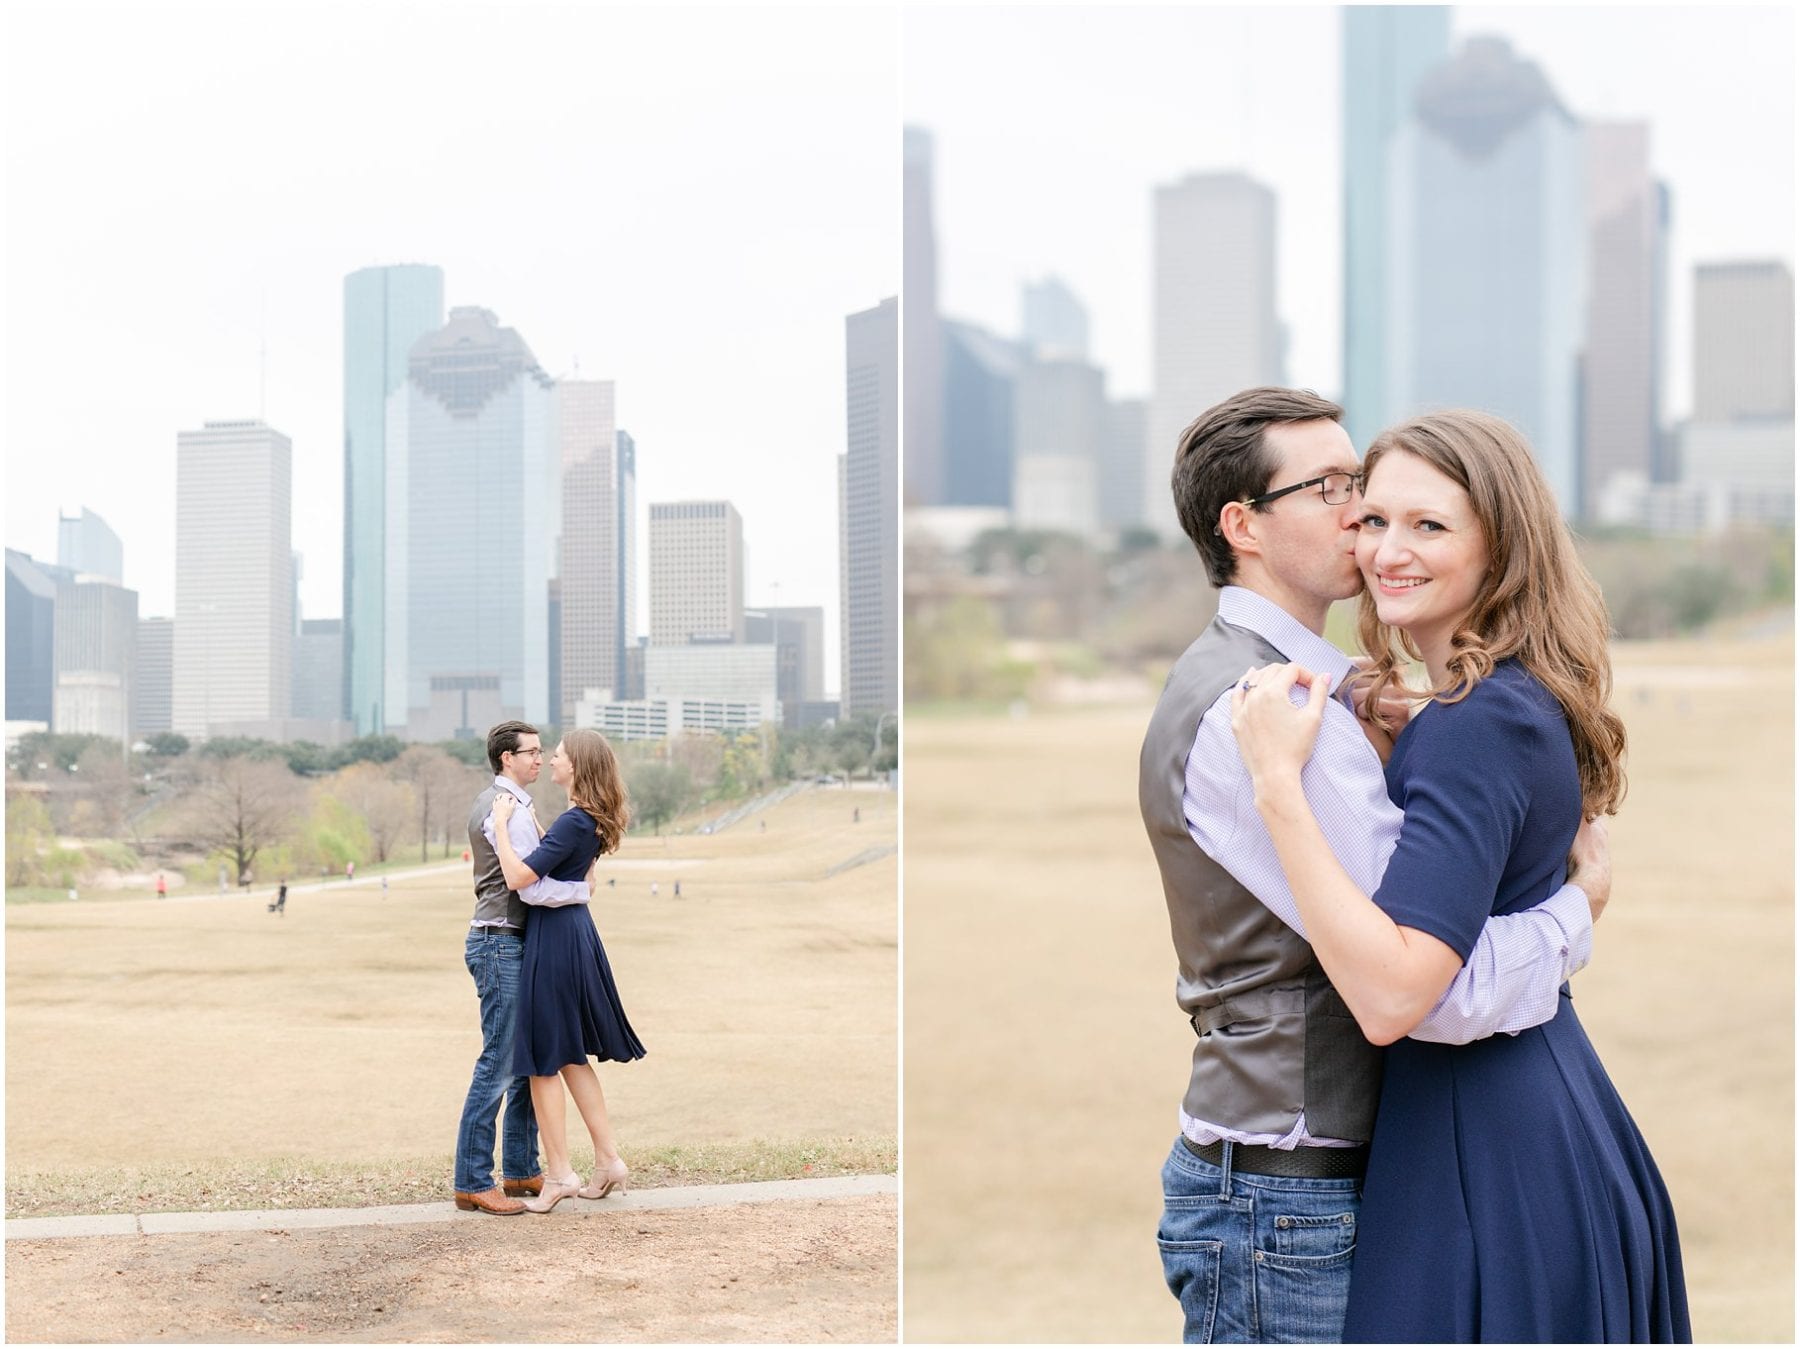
(1244, 608)
(506, 784)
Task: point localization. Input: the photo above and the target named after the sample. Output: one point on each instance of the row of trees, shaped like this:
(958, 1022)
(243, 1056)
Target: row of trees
(268, 809)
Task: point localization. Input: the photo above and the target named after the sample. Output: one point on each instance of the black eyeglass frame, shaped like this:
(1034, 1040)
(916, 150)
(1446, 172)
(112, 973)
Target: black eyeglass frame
(1356, 480)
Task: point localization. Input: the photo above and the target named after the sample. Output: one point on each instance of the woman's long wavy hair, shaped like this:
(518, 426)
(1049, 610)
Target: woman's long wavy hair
(596, 786)
(1537, 603)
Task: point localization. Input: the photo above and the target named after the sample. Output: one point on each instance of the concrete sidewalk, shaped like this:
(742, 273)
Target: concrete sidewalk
(248, 1220)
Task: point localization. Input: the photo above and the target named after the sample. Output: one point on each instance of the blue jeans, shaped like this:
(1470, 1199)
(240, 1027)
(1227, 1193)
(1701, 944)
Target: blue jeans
(494, 963)
(1256, 1259)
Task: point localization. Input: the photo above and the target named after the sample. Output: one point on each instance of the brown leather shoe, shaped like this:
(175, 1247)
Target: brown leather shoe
(530, 1185)
(489, 1201)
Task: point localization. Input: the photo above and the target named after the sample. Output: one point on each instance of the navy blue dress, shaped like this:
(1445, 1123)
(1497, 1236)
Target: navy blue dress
(568, 1005)
(1509, 1195)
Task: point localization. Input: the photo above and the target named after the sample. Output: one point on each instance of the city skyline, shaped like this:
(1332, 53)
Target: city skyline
(582, 205)
(1047, 183)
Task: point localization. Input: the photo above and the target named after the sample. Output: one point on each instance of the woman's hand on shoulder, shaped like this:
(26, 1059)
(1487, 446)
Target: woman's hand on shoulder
(504, 804)
(1274, 736)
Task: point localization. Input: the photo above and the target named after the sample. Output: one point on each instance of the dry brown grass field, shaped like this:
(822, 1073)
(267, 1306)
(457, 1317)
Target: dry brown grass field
(179, 1043)
(1045, 1056)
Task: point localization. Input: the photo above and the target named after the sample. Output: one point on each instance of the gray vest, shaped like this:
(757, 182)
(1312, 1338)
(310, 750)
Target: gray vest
(494, 903)
(1274, 1037)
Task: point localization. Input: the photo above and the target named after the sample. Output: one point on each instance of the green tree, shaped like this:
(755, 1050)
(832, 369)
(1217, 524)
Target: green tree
(27, 835)
(659, 792)
(166, 745)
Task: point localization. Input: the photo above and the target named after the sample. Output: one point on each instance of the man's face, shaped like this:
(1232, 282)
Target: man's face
(523, 764)
(1308, 545)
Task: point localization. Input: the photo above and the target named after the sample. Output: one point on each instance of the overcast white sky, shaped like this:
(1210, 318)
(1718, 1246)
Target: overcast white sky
(1052, 127)
(688, 201)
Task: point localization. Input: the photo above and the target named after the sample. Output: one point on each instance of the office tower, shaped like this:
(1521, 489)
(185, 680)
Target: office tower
(589, 591)
(1386, 48)
(696, 572)
(1487, 261)
(1743, 341)
(1215, 330)
(233, 595)
(1621, 417)
(625, 569)
(1059, 416)
(474, 494)
(153, 678)
(869, 511)
(96, 642)
(1053, 323)
(386, 310)
(30, 639)
(1120, 464)
(979, 372)
(85, 543)
(798, 636)
(724, 672)
(926, 463)
(318, 670)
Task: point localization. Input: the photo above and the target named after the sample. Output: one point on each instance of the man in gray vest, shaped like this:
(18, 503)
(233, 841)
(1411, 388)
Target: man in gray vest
(1262, 1187)
(493, 952)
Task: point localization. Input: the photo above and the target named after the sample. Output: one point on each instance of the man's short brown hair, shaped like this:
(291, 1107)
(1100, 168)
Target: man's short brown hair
(1222, 458)
(504, 739)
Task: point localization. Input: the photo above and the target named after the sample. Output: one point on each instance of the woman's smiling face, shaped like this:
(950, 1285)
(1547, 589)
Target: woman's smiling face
(1421, 550)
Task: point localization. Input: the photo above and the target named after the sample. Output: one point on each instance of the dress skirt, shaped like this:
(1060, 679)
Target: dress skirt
(569, 1007)
(1510, 1197)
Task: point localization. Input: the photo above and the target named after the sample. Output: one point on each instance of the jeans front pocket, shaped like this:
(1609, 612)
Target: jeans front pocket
(1191, 1269)
(1315, 1236)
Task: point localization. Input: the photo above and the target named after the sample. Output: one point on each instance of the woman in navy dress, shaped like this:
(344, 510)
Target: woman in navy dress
(568, 1005)
(1509, 1196)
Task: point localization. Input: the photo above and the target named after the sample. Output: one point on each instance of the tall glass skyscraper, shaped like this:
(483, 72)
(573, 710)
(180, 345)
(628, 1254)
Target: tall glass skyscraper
(1487, 254)
(1386, 48)
(869, 511)
(590, 549)
(625, 571)
(473, 491)
(386, 310)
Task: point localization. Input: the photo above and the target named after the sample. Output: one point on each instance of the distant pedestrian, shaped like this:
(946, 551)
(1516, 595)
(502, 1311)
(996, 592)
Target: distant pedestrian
(653, 889)
(222, 886)
(162, 886)
(856, 815)
(384, 887)
(349, 871)
(762, 826)
(678, 889)
(279, 903)
(612, 882)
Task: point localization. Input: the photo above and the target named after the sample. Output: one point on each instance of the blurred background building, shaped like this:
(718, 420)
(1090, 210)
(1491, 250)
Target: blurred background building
(869, 511)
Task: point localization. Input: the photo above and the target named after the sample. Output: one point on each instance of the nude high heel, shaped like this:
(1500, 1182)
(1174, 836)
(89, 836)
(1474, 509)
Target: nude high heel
(605, 1182)
(554, 1192)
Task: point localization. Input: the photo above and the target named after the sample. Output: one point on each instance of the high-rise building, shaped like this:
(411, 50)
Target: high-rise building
(30, 638)
(1059, 418)
(386, 310)
(474, 493)
(1487, 261)
(696, 572)
(1386, 48)
(589, 590)
(234, 622)
(625, 568)
(96, 643)
(798, 636)
(980, 371)
(1120, 464)
(85, 543)
(1620, 390)
(153, 678)
(1053, 323)
(1743, 341)
(926, 464)
(729, 672)
(318, 670)
(1215, 328)
(869, 511)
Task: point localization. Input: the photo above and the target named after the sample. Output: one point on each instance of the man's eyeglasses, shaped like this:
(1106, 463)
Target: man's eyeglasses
(1334, 487)
(527, 753)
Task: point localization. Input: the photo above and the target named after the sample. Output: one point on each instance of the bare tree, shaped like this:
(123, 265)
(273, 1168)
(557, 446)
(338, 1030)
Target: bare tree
(441, 791)
(239, 806)
(384, 805)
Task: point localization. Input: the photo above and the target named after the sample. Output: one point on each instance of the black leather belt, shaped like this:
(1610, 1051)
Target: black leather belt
(1312, 1163)
(489, 931)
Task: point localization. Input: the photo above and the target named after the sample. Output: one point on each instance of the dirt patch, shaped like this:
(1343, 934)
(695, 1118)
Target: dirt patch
(818, 1270)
